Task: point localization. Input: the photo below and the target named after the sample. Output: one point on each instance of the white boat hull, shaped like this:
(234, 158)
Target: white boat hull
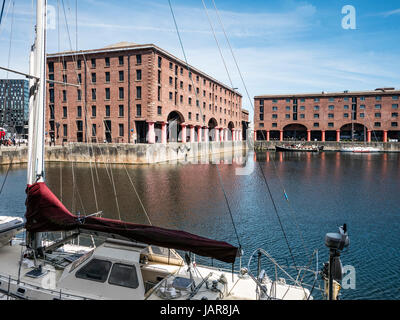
(360, 149)
(58, 284)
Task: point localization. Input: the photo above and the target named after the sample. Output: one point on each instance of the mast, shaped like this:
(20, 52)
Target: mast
(37, 67)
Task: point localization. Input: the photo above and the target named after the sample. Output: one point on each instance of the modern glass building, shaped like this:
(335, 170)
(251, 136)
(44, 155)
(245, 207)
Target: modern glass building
(14, 105)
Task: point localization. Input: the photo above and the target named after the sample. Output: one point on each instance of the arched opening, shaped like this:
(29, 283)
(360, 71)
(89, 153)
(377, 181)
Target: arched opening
(295, 132)
(231, 127)
(174, 121)
(212, 124)
(353, 132)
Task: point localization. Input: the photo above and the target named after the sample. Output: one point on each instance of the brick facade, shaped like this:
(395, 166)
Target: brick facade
(370, 115)
(130, 92)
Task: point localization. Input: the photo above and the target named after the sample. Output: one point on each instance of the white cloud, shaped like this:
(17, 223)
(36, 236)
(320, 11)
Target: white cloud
(392, 12)
(270, 46)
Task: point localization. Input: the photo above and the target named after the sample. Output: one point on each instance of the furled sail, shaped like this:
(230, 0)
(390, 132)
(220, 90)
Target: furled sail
(46, 213)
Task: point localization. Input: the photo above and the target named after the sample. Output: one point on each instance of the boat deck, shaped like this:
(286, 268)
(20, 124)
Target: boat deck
(11, 271)
(237, 288)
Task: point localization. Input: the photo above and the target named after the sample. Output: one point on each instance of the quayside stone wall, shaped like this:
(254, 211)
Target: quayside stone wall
(124, 153)
(15, 155)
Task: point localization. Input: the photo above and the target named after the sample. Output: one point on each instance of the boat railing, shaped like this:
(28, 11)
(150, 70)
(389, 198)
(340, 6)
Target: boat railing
(298, 281)
(56, 294)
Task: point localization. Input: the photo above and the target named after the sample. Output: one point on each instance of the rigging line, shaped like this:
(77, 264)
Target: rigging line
(305, 247)
(58, 27)
(61, 181)
(90, 145)
(9, 55)
(94, 187)
(247, 92)
(5, 178)
(6, 15)
(229, 208)
(73, 184)
(276, 211)
(265, 179)
(201, 113)
(216, 40)
(31, 28)
(75, 189)
(76, 24)
(277, 215)
(137, 194)
(116, 197)
(11, 37)
(80, 198)
(2, 11)
(90, 121)
(231, 50)
(280, 223)
(306, 268)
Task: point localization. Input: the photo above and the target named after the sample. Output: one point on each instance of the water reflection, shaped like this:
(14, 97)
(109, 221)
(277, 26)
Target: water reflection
(324, 190)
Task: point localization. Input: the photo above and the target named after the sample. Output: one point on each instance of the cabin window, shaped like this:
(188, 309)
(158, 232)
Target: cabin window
(124, 275)
(95, 270)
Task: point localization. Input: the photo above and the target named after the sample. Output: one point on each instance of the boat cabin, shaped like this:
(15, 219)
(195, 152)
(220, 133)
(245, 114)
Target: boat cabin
(119, 270)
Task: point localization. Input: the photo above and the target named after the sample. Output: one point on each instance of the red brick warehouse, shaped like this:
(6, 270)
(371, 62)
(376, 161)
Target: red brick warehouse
(364, 116)
(137, 93)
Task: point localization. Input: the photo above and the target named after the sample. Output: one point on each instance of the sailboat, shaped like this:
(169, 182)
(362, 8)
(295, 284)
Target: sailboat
(133, 262)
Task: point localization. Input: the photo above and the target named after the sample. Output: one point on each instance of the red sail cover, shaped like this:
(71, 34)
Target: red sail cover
(45, 213)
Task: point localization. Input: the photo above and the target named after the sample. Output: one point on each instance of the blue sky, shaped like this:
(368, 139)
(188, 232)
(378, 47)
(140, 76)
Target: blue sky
(281, 46)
